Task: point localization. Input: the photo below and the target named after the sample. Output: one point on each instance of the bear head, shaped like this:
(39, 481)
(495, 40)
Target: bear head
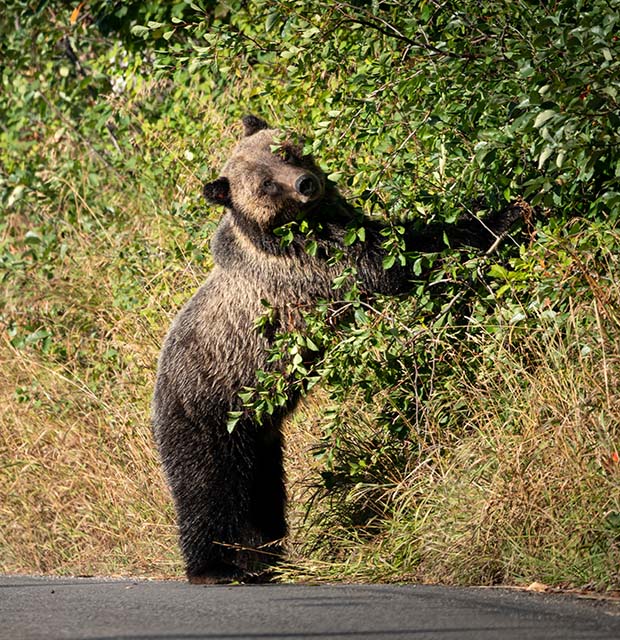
(267, 181)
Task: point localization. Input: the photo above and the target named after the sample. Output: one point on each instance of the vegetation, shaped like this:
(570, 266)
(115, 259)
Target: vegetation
(468, 433)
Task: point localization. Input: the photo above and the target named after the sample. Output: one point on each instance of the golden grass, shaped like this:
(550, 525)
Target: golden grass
(534, 492)
(80, 487)
(81, 490)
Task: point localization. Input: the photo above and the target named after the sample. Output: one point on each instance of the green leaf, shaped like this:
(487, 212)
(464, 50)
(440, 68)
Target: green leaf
(350, 237)
(15, 195)
(271, 20)
(140, 30)
(417, 266)
(311, 247)
(543, 116)
(499, 272)
(233, 420)
(544, 156)
(33, 237)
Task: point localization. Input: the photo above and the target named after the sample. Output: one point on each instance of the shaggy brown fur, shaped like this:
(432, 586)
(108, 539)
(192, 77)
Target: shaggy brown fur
(228, 488)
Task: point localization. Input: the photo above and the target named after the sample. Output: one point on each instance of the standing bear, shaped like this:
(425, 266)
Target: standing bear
(228, 487)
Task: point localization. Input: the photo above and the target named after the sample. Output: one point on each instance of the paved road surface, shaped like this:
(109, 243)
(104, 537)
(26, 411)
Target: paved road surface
(110, 609)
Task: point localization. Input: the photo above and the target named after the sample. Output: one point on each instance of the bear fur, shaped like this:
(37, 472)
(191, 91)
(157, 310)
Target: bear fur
(228, 488)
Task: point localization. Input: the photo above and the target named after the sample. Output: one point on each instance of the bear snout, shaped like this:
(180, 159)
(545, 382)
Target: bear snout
(308, 186)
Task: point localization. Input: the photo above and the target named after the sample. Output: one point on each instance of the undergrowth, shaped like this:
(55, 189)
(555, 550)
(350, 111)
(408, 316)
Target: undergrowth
(524, 485)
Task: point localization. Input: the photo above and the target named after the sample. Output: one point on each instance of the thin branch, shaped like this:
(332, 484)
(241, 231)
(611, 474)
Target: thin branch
(389, 30)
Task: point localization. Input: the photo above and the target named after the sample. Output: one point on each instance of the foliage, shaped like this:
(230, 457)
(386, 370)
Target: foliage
(500, 98)
(114, 113)
(504, 466)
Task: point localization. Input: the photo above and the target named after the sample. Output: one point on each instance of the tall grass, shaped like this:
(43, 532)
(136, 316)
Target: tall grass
(99, 265)
(534, 493)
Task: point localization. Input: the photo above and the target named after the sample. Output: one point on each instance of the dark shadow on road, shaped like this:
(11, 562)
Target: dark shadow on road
(377, 633)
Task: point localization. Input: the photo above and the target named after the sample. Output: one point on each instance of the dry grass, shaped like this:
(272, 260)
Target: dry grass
(80, 486)
(534, 493)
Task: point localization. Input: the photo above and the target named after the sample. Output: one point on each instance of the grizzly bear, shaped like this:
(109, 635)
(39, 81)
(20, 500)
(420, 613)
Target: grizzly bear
(228, 485)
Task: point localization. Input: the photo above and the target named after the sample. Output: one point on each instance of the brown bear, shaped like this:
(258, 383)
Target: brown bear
(228, 487)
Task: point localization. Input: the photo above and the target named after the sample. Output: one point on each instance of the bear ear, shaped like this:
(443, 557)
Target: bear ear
(252, 124)
(218, 192)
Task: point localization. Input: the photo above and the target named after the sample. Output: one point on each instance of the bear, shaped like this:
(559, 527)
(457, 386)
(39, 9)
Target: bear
(228, 485)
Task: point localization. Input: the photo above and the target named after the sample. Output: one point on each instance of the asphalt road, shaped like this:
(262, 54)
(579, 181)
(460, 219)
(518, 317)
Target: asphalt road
(106, 609)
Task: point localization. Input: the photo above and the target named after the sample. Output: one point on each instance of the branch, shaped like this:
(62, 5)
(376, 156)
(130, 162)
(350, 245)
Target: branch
(382, 26)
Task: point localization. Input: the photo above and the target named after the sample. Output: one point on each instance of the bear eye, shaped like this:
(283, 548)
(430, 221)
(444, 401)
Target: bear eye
(269, 187)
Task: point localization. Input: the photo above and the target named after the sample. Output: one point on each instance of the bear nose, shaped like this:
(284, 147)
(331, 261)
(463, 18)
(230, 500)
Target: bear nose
(307, 185)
